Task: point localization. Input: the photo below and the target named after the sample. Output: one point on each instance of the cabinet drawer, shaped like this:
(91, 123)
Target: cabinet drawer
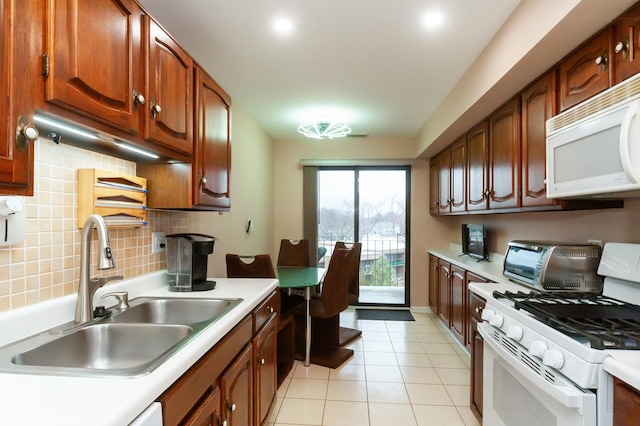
(261, 314)
(476, 305)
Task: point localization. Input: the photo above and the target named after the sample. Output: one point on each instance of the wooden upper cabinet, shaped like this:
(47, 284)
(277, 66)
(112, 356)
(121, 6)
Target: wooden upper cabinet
(587, 71)
(94, 59)
(434, 186)
(212, 153)
(477, 170)
(626, 45)
(504, 156)
(16, 81)
(539, 103)
(169, 107)
(444, 191)
(459, 175)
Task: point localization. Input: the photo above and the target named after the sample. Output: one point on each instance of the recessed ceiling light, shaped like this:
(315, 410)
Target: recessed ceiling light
(283, 25)
(433, 20)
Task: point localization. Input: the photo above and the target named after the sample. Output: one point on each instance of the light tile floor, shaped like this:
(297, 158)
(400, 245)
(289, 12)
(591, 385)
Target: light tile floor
(402, 373)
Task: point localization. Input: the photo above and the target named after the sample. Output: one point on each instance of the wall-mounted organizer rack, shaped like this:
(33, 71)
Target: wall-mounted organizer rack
(120, 199)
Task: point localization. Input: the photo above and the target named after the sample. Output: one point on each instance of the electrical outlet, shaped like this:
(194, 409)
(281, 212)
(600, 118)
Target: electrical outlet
(157, 242)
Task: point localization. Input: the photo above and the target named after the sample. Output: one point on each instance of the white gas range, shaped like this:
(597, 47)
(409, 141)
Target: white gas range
(544, 352)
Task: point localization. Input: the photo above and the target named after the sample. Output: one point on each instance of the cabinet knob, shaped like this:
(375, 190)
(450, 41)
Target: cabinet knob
(623, 47)
(203, 180)
(269, 309)
(261, 361)
(231, 406)
(602, 61)
(25, 133)
(138, 98)
(478, 310)
(155, 109)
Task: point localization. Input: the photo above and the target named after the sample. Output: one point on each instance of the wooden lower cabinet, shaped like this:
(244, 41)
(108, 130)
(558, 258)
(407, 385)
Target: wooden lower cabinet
(476, 304)
(626, 403)
(458, 284)
(433, 283)
(265, 354)
(235, 382)
(236, 386)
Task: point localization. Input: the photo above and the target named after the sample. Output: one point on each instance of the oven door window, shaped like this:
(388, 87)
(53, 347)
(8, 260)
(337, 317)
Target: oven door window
(515, 395)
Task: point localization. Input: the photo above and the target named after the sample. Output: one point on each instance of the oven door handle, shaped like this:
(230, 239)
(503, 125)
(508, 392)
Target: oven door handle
(564, 392)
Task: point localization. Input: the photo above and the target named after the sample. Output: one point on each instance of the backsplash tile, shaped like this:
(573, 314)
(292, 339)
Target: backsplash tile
(46, 264)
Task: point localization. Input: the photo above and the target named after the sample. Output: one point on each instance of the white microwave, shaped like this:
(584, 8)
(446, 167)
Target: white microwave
(593, 149)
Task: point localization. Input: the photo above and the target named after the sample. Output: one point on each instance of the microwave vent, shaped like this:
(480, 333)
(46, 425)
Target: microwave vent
(623, 91)
(578, 252)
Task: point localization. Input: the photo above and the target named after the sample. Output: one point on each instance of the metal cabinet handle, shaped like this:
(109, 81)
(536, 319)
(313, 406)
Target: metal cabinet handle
(602, 61)
(269, 309)
(478, 310)
(138, 98)
(261, 361)
(623, 47)
(231, 406)
(25, 133)
(203, 180)
(155, 109)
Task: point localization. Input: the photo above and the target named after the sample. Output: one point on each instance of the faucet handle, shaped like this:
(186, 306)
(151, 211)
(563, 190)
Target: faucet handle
(121, 296)
(103, 280)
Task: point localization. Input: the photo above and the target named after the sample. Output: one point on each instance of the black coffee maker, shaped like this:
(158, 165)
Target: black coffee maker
(187, 261)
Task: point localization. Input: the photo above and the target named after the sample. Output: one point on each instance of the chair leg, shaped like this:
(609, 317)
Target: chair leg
(348, 335)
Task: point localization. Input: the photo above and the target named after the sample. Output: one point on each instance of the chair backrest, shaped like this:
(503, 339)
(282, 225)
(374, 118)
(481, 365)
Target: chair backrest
(354, 271)
(258, 266)
(294, 253)
(336, 280)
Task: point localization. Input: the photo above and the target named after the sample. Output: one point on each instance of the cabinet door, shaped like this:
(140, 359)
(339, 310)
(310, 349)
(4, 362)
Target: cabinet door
(459, 175)
(94, 59)
(538, 105)
(586, 72)
(504, 156)
(433, 283)
(16, 166)
(626, 403)
(444, 191)
(444, 291)
(206, 413)
(458, 302)
(477, 169)
(626, 45)
(265, 348)
(237, 389)
(434, 186)
(212, 159)
(476, 357)
(169, 107)
(474, 309)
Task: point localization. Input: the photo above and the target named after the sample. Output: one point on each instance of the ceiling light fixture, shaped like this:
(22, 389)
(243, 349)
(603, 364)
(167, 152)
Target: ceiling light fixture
(283, 25)
(433, 20)
(324, 129)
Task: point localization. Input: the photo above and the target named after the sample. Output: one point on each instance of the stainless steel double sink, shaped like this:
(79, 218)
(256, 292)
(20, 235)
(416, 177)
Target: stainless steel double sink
(129, 343)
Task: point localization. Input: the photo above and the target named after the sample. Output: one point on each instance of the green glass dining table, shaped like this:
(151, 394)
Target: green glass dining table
(301, 280)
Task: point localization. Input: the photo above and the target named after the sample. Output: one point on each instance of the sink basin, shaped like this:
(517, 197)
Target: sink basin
(129, 349)
(174, 311)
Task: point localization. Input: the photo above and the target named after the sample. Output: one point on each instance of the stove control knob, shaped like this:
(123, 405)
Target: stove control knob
(538, 348)
(487, 314)
(553, 358)
(514, 332)
(496, 320)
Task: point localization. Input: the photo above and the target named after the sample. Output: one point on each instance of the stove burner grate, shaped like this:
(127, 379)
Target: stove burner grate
(605, 322)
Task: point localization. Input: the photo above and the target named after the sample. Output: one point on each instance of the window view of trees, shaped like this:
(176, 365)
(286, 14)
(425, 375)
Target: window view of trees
(378, 221)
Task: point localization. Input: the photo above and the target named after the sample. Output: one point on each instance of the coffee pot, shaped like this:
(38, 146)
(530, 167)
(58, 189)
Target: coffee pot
(187, 261)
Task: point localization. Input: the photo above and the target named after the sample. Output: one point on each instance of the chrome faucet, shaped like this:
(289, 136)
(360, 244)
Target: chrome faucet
(88, 286)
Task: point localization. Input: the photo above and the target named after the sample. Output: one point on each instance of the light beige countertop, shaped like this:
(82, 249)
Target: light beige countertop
(623, 364)
(29, 399)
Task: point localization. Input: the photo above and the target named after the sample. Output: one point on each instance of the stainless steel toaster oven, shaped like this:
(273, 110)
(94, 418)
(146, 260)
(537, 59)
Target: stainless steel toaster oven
(551, 266)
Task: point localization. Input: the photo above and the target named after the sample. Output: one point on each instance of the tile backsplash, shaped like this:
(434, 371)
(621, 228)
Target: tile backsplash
(46, 264)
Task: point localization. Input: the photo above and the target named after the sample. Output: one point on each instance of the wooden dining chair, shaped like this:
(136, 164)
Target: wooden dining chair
(294, 253)
(347, 335)
(260, 266)
(325, 314)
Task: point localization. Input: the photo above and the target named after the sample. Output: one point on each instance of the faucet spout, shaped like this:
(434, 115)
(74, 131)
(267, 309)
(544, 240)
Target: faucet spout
(88, 286)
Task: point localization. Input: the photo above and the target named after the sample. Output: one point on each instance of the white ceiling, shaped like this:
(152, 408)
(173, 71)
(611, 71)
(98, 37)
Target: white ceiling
(372, 63)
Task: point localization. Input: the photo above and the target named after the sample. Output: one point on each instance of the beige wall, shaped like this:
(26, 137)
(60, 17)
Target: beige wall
(251, 197)
(288, 191)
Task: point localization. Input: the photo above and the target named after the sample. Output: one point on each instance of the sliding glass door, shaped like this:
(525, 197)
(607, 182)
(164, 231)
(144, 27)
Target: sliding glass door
(369, 205)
